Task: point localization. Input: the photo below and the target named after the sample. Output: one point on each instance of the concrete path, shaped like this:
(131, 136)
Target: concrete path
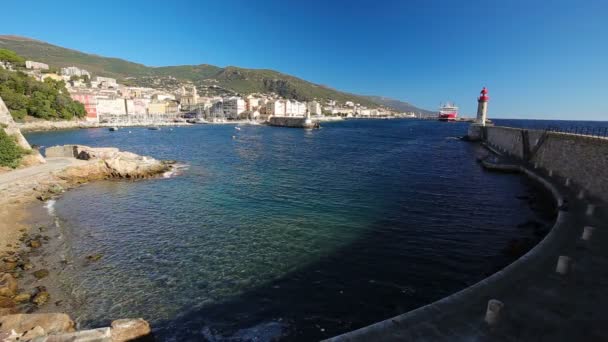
(52, 165)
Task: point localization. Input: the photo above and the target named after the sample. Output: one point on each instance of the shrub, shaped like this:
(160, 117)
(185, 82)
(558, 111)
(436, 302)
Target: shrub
(10, 152)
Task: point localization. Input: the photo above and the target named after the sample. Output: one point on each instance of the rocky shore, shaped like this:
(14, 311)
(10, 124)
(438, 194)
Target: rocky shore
(27, 301)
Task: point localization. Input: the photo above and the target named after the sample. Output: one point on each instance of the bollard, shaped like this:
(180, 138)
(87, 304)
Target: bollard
(587, 233)
(493, 311)
(550, 173)
(590, 209)
(536, 165)
(567, 182)
(563, 264)
(581, 194)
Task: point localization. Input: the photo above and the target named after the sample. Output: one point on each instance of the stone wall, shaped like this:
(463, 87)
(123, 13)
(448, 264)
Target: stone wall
(291, 122)
(583, 159)
(506, 139)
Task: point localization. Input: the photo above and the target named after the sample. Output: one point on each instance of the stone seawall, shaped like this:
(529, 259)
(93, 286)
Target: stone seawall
(292, 122)
(582, 159)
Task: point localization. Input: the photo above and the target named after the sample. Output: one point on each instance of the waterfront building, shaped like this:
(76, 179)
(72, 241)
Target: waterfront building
(275, 108)
(188, 97)
(110, 106)
(157, 107)
(137, 106)
(233, 107)
(36, 65)
(90, 104)
(314, 108)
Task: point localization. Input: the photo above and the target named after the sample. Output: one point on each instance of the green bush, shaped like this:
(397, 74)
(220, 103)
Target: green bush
(47, 100)
(10, 152)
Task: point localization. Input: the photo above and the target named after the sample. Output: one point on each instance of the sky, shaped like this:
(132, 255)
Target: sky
(539, 59)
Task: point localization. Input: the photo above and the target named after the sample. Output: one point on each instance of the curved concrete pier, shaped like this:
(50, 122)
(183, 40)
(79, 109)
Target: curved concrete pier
(537, 303)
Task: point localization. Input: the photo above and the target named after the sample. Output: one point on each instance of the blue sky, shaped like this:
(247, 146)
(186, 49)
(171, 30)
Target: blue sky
(540, 59)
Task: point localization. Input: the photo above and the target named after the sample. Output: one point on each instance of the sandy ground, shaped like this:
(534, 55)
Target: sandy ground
(18, 196)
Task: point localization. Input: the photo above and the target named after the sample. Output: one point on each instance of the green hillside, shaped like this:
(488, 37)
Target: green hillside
(239, 80)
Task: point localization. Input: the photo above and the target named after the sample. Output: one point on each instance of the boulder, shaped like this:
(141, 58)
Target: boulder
(39, 274)
(6, 303)
(130, 329)
(97, 335)
(41, 297)
(52, 323)
(8, 285)
(22, 297)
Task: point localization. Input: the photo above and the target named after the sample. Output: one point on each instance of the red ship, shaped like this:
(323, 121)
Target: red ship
(448, 112)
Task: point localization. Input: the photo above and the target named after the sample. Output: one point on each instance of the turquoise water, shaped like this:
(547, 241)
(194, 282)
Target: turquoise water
(288, 233)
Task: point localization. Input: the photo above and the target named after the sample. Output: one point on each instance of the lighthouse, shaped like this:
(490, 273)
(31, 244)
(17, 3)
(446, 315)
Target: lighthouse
(482, 107)
(477, 128)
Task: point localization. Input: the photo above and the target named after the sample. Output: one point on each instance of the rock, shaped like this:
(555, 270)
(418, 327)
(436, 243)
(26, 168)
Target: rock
(129, 329)
(41, 298)
(34, 244)
(22, 297)
(55, 189)
(26, 266)
(7, 266)
(6, 302)
(52, 323)
(41, 273)
(31, 334)
(8, 285)
(97, 335)
(94, 257)
(8, 311)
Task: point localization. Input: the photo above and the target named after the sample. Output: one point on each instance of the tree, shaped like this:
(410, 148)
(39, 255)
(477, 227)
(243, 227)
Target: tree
(11, 57)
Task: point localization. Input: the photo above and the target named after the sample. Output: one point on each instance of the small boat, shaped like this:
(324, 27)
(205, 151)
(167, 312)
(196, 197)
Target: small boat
(113, 129)
(237, 128)
(154, 128)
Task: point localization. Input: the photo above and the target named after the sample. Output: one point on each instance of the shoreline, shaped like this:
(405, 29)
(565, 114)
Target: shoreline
(31, 254)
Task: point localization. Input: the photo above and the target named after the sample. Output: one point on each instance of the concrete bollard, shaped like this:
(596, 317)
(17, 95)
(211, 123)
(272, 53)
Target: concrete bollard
(567, 183)
(590, 209)
(563, 264)
(581, 194)
(536, 165)
(550, 173)
(493, 311)
(587, 233)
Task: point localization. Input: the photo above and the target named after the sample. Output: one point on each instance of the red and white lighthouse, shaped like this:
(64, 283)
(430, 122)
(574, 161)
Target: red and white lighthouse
(482, 107)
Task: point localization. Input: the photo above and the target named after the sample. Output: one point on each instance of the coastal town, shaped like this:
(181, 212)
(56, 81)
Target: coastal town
(106, 101)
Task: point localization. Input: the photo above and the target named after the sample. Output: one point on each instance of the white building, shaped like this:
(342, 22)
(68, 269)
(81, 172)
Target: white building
(314, 108)
(74, 71)
(106, 82)
(111, 106)
(275, 107)
(233, 107)
(36, 65)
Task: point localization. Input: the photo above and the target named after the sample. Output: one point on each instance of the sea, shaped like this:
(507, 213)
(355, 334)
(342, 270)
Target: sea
(270, 233)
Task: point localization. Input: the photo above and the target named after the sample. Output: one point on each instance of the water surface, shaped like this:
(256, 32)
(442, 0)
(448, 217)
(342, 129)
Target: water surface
(287, 233)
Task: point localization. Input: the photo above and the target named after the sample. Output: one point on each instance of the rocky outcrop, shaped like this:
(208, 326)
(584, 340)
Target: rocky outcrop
(53, 327)
(107, 162)
(8, 124)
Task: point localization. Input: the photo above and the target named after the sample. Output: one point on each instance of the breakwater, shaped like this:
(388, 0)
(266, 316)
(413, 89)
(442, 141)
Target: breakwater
(579, 158)
(302, 122)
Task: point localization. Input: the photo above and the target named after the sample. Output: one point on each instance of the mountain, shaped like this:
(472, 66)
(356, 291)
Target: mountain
(400, 105)
(209, 78)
